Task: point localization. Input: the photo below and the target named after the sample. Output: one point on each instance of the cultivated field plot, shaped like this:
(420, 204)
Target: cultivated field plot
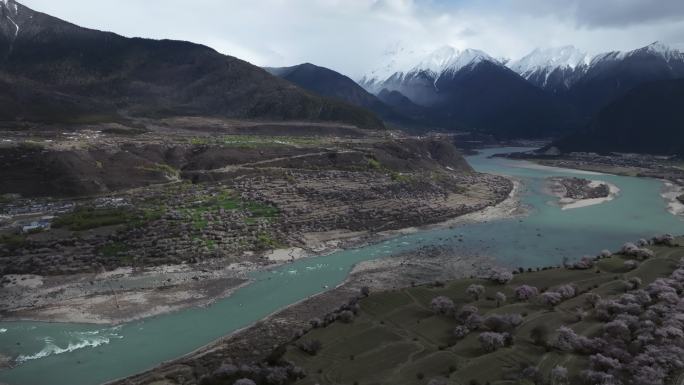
(397, 338)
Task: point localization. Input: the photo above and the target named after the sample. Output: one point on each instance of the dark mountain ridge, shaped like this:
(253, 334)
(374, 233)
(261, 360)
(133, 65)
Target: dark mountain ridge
(53, 70)
(326, 82)
(489, 97)
(648, 119)
(610, 76)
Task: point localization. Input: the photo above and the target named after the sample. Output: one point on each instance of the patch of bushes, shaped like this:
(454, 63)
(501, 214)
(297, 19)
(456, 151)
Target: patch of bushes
(265, 241)
(91, 218)
(13, 241)
(163, 168)
(112, 249)
(373, 164)
(311, 347)
(31, 145)
(124, 131)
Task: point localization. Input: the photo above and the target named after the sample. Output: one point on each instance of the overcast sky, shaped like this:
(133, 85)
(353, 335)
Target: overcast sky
(351, 36)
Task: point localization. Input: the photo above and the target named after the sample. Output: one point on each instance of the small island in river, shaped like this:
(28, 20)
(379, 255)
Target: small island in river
(578, 192)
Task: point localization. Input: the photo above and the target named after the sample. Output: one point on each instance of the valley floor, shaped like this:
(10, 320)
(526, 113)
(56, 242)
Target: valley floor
(396, 338)
(254, 343)
(210, 202)
(126, 294)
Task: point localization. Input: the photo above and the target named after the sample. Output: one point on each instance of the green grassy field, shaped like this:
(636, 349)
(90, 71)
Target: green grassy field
(261, 141)
(90, 218)
(229, 201)
(397, 339)
(87, 218)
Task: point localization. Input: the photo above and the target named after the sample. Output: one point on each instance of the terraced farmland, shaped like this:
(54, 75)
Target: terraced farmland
(396, 338)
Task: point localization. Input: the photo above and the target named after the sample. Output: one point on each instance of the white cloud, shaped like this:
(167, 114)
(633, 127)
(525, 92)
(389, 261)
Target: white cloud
(351, 35)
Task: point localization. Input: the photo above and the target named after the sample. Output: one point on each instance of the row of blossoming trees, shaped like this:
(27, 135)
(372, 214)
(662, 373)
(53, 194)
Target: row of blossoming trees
(641, 340)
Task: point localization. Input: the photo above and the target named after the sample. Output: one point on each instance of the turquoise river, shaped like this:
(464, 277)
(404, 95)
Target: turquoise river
(75, 354)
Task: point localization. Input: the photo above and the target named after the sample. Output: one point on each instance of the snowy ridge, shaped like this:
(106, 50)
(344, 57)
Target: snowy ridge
(549, 59)
(404, 64)
(558, 68)
(657, 48)
(401, 62)
(449, 59)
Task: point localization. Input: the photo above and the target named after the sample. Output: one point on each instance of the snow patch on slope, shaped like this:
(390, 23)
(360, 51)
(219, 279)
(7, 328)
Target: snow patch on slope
(12, 11)
(11, 6)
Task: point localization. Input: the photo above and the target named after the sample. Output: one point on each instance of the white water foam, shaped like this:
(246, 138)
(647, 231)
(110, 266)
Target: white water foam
(90, 339)
(3, 330)
(318, 266)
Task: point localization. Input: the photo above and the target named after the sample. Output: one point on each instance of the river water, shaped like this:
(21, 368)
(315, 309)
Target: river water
(76, 354)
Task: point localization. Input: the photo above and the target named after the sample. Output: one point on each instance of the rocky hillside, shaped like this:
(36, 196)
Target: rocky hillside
(68, 161)
(172, 195)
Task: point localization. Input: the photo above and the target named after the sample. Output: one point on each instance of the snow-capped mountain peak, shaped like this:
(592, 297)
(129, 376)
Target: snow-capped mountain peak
(552, 68)
(434, 63)
(416, 74)
(468, 57)
(450, 59)
(396, 60)
(549, 59)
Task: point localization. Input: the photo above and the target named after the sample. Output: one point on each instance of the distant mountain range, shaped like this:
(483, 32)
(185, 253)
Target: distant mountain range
(556, 70)
(471, 90)
(633, 99)
(56, 71)
(548, 92)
